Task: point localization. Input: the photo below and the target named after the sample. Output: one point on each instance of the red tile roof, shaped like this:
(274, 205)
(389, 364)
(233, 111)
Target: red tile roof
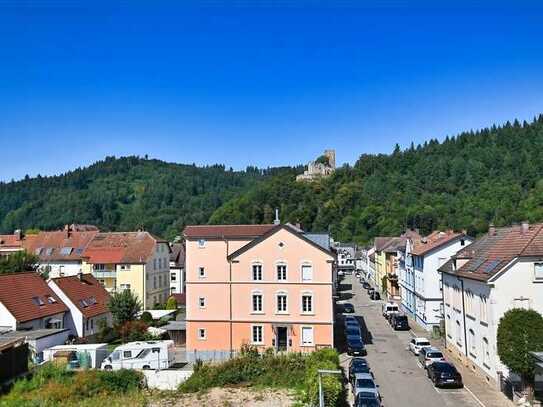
(60, 245)
(490, 253)
(121, 247)
(17, 291)
(225, 231)
(433, 241)
(11, 241)
(86, 290)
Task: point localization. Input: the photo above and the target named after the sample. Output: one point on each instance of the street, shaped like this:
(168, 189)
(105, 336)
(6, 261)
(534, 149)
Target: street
(402, 382)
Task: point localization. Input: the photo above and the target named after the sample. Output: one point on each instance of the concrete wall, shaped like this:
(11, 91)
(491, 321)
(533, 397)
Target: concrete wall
(7, 320)
(60, 269)
(165, 379)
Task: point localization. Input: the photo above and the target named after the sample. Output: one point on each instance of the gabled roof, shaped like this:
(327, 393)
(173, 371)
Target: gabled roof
(433, 241)
(177, 256)
(121, 248)
(27, 296)
(60, 245)
(271, 232)
(225, 231)
(86, 293)
(394, 244)
(380, 242)
(490, 253)
(11, 241)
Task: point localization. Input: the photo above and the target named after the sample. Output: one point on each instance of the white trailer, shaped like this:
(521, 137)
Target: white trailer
(96, 353)
(141, 355)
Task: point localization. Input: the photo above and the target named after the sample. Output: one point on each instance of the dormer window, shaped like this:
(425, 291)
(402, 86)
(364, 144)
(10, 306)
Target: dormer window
(38, 301)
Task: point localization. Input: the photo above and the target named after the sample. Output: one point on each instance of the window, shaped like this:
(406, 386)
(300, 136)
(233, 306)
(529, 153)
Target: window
(173, 277)
(486, 353)
(282, 302)
(99, 267)
(154, 282)
(159, 263)
(257, 334)
(472, 344)
(126, 287)
(51, 300)
(257, 272)
(37, 301)
(307, 272)
(201, 272)
(458, 333)
(307, 303)
(201, 243)
(127, 354)
(202, 335)
(483, 309)
(125, 267)
(469, 302)
(154, 264)
(202, 302)
(538, 271)
(282, 272)
(257, 302)
(307, 336)
(159, 281)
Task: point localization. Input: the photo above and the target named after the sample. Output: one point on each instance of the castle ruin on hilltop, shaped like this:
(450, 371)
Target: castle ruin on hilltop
(322, 167)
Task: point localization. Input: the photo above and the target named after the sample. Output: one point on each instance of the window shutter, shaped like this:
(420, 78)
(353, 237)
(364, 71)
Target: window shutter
(307, 273)
(307, 335)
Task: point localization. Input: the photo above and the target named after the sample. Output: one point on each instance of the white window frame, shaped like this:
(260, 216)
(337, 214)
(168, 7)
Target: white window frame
(202, 303)
(302, 266)
(281, 264)
(486, 352)
(307, 294)
(472, 342)
(257, 342)
(538, 275)
(281, 294)
(261, 294)
(483, 309)
(302, 328)
(257, 264)
(204, 336)
(201, 272)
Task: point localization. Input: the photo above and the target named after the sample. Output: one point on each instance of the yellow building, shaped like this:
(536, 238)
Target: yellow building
(135, 261)
(380, 259)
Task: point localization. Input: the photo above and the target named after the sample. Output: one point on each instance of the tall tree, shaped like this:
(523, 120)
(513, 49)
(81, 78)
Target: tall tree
(18, 261)
(520, 332)
(124, 306)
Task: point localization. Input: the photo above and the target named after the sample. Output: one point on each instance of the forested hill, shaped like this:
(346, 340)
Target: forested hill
(125, 194)
(465, 182)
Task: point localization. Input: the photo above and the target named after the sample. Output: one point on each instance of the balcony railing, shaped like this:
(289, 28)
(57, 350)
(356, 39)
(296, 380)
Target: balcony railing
(104, 273)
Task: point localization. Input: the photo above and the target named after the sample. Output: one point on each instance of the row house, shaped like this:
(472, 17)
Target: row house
(60, 251)
(136, 261)
(500, 271)
(87, 301)
(28, 303)
(12, 243)
(177, 268)
(380, 259)
(265, 285)
(420, 281)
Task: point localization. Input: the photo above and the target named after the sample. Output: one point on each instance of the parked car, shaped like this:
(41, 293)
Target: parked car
(367, 399)
(366, 285)
(399, 322)
(363, 383)
(353, 330)
(358, 365)
(416, 344)
(141, 355)
(350, 318)
(427, 356)
(351, 322)
(375, 296)
(389, 308)
(348, 308)
(357, 274)
(370, 291)
(355, 346)
(444, 374)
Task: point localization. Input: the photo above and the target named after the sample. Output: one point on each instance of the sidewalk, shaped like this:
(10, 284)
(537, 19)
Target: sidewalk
(484, 393)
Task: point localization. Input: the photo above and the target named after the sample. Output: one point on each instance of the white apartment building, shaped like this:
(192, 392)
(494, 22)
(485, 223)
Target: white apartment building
(500, 271)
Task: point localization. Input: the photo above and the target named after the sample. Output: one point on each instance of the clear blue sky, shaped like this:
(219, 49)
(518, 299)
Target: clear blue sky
(255, 83)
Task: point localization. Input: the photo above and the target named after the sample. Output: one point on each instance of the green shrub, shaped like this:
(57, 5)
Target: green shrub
(147, 317)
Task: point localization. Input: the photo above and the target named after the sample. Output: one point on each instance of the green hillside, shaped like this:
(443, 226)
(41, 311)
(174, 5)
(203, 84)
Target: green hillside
(124, 194)
(465, 182)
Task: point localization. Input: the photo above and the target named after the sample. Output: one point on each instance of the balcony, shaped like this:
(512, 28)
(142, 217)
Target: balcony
(104, 273)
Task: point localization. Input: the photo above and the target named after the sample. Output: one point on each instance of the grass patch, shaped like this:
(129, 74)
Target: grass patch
(53, 385)
(295, 371)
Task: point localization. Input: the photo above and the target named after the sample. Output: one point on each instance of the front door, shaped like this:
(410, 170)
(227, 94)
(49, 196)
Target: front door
(281, 338)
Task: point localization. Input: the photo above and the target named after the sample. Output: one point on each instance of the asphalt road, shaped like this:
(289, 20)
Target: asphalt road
(402, 382)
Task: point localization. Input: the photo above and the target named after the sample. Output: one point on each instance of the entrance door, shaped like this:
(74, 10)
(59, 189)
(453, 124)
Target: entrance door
(281, 338)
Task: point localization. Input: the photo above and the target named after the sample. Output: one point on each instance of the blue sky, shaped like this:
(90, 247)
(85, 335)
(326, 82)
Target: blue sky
(256, 83)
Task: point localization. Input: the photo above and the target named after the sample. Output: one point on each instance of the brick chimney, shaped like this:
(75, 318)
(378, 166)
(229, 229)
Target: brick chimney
(524, 227)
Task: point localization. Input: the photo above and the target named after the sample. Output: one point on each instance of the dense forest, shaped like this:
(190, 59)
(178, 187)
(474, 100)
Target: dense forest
(125, 194)
(494, 175)
(465, 182)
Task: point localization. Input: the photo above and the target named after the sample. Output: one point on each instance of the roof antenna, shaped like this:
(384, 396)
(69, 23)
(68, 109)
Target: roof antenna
(276, 221)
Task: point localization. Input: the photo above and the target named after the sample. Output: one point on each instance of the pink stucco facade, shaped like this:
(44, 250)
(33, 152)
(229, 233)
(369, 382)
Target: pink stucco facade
(221, 310)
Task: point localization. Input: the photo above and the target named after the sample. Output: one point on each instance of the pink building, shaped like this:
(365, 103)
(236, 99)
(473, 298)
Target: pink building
(264, 285)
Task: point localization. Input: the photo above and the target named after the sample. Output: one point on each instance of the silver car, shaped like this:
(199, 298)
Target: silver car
(427, 356)
(363, 382)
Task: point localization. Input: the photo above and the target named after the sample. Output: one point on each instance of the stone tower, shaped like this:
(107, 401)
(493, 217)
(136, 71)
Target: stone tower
(331, 154)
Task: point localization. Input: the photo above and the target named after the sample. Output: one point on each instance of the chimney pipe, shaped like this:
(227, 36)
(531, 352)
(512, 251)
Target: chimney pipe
(276, 220)
(524, 227)
(80, 275)
(491, 230)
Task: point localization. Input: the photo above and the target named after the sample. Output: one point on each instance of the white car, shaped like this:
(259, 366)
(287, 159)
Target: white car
(427, 356)
(416, 344)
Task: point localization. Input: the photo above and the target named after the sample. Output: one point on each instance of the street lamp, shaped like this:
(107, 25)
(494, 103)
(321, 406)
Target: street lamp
(322, 372)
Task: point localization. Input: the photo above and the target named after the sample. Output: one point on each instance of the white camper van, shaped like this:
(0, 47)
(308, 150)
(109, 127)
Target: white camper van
(141, 355)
